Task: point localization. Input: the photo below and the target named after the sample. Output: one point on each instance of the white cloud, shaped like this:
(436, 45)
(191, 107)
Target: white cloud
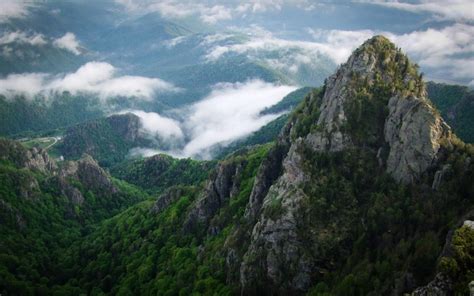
(262, 6)
(26, 84)
(444, 52)
(208, 11)
(22, 37)
(456, 10)
(216, 13)
(336, 44)
(286, 56)
(94, 77)
(174, 9)
(229, 112)
(170, 43)
(157, 125)
(12, 9)
(68, 42)
(145, 152)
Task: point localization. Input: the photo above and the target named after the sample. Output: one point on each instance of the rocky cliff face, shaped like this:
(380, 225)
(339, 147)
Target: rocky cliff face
(413, 131)
(375, 101)
(89, 173)
(223, 186)
(34, 158)
(378, 76)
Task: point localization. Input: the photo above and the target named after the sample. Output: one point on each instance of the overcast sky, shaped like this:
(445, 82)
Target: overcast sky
(438, 34)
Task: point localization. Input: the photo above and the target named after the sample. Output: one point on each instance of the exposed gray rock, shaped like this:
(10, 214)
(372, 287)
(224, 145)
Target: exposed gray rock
(28, 187)
(276, 248)
(72, 193)
(89, 173)
(278, 253)
(439, 175)
(38, 159)
(469, 224)
(127, 125)
(171, 195)
(414, 131)
(268, 172)
(441, 285)
(223, 185)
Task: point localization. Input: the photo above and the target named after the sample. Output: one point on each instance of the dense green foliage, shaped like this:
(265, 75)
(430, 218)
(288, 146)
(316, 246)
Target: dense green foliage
(141, 251)
(38, 222)
(389, 231)
(21, 115)
(156, 173)
(108, 140)
(460, 266)
(365, 233)
(456, 104)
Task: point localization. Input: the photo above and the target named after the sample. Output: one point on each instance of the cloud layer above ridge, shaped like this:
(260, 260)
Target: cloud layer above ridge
(96, 78)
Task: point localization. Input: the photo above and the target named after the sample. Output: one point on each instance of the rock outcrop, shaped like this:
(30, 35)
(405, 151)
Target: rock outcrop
(406, 135)
(378, 73)
(39, 159)
(413, 130)
(170, 196)
(441, 285)
(223, 186)
(89, 173)
(33, 158)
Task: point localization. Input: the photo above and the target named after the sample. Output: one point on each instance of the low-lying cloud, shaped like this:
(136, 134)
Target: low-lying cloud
(457, 10)
(22, 38)
(231, 111)
(68, 42)
(96, 78)
(159, 126)
(12, 9)
(290, 57)
(209, 11)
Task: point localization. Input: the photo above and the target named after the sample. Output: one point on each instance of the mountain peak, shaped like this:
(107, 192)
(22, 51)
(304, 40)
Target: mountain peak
(378, 41)
(377, 101)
